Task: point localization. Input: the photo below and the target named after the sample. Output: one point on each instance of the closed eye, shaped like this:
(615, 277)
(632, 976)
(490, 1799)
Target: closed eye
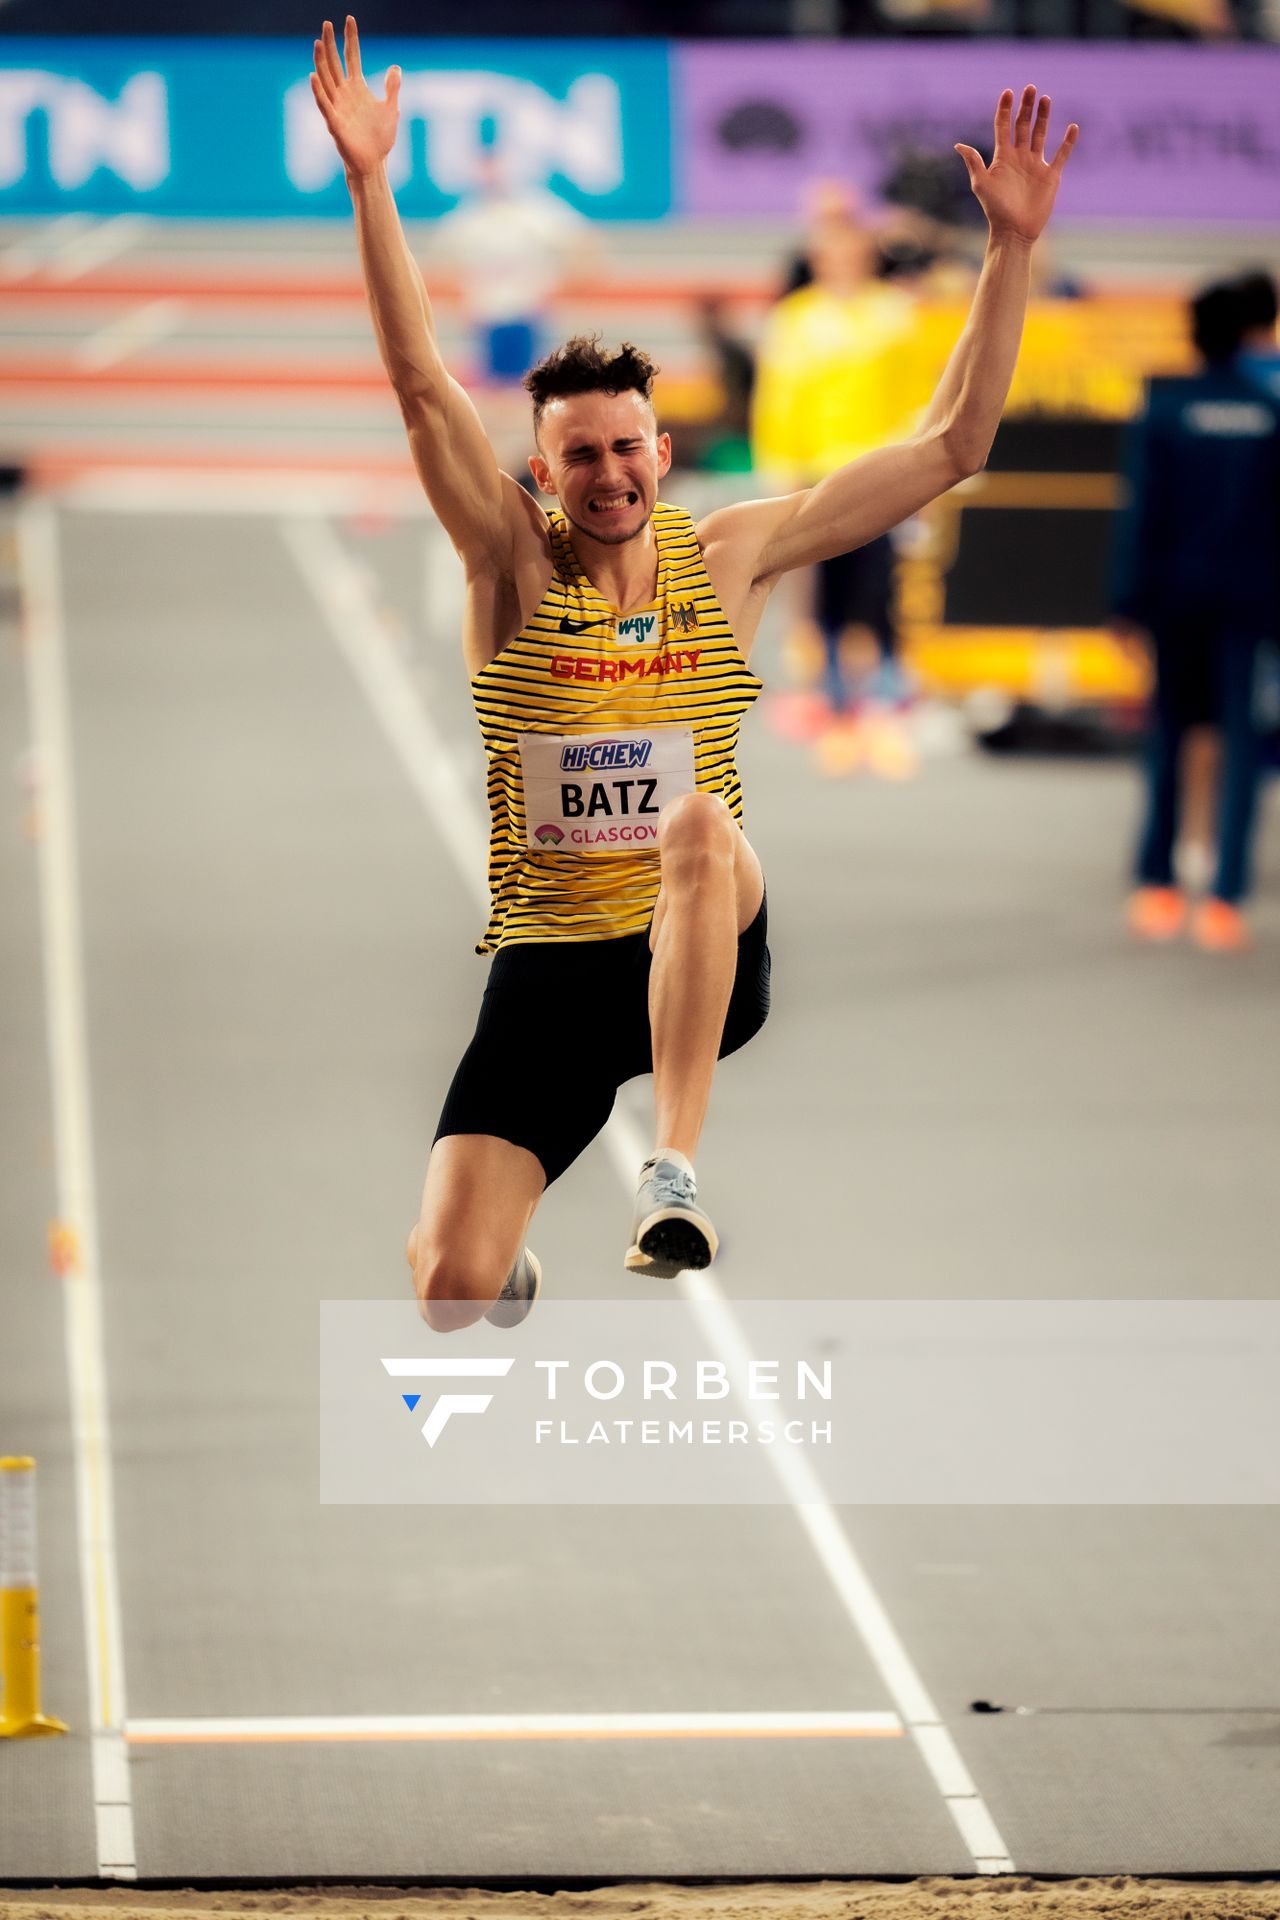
(578, 455)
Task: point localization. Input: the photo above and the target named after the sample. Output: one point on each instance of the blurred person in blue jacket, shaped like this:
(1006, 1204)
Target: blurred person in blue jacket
(1196, 576)
(1259, 352)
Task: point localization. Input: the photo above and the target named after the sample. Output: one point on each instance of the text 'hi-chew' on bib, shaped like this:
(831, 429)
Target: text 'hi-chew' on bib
(603, 793)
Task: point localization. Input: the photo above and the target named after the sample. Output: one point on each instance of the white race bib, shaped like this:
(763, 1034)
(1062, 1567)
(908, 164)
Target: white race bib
(603, 792)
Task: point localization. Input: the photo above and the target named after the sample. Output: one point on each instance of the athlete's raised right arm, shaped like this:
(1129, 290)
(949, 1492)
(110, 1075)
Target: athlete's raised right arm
(455, 462)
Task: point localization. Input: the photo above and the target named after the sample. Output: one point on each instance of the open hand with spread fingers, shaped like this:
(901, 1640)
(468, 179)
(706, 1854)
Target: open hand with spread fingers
(363, 127)
(1017, 191)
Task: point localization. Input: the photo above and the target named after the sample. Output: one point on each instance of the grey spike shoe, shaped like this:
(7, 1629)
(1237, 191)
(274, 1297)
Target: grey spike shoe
(519, 1291)
(670, 1233)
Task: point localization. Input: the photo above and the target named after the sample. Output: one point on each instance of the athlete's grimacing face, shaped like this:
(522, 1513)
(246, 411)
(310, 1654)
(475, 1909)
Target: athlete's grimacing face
(602, 456)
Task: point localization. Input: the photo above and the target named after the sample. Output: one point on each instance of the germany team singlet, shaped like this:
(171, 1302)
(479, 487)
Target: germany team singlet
(592, 723)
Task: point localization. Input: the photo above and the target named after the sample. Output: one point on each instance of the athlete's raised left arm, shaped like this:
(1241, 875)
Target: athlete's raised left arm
(872, 494)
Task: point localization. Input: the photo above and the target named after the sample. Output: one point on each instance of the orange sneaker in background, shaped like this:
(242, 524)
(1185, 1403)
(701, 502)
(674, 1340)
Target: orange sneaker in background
(1157, 913)
(842, 749)
(889, 749)
(1219, 927)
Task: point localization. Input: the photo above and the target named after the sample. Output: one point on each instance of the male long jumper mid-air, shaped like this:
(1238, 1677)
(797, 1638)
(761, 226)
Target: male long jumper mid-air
(608, 641)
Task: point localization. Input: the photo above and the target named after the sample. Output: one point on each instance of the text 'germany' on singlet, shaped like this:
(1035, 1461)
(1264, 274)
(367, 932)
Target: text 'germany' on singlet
(592, 722)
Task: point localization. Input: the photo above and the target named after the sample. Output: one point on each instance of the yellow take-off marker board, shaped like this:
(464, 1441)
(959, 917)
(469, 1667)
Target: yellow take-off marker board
(20, 1715)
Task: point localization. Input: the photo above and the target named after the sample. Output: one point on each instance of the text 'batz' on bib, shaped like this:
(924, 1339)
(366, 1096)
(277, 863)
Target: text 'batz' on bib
(603, 792)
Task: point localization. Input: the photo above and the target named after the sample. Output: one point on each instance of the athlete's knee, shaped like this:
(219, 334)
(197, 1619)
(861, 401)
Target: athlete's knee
(455, 1289)
(697, 831)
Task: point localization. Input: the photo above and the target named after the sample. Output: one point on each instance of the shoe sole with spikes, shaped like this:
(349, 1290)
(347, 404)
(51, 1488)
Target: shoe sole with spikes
(671, 1241)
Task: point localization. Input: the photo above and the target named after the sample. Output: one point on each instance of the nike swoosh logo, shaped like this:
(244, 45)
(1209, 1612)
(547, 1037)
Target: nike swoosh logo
(579, 626)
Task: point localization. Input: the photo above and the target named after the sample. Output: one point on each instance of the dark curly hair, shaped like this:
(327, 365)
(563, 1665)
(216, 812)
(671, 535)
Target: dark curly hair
(581, 365)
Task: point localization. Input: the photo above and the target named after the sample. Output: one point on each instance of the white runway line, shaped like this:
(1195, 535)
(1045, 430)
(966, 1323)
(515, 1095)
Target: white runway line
(342, 594)
(141, 327)
(520, 1726)
(77, 1202)
(830, 1541)
(242, 490)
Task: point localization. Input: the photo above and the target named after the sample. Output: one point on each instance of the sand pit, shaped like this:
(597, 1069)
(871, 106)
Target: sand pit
(1012, 1898)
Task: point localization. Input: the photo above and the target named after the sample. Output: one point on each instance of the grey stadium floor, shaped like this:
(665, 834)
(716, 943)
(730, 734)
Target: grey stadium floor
(979, 1089)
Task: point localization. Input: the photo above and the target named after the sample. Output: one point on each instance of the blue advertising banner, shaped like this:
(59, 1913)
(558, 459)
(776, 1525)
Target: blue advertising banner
(183, 127)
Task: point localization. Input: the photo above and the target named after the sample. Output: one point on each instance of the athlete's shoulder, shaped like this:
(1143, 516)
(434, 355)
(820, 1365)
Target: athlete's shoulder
(671, 519)
(679, 538)
(552, 531)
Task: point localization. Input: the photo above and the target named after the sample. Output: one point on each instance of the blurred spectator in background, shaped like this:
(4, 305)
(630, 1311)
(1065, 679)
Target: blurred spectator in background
(724, 442)
(1197, 576)
(1198, 19)
(930, 238)
(1259, 352)
(937, 13)
(835, 381)
(511, 245)
(932, 235)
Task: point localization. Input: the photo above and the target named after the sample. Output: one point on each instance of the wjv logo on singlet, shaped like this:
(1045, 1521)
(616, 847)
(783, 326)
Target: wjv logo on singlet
(640, 626)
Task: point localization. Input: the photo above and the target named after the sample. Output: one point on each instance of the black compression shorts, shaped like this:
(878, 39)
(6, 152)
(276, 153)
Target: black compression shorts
(562, 1025)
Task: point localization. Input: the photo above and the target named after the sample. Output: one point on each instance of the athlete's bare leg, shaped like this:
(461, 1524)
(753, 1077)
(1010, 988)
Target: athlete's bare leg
(712, 886)
(477, 1201)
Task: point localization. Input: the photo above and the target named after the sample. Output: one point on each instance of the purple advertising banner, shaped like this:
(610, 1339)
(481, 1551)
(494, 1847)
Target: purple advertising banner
(1166, 133)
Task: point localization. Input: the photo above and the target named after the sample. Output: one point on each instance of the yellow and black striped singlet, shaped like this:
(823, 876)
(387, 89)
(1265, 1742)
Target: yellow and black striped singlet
(578, 667)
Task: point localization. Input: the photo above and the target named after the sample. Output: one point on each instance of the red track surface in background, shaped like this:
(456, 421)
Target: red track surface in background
(199, 284)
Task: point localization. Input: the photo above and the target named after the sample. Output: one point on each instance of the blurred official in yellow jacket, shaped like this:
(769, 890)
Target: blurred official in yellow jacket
(837, 377)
